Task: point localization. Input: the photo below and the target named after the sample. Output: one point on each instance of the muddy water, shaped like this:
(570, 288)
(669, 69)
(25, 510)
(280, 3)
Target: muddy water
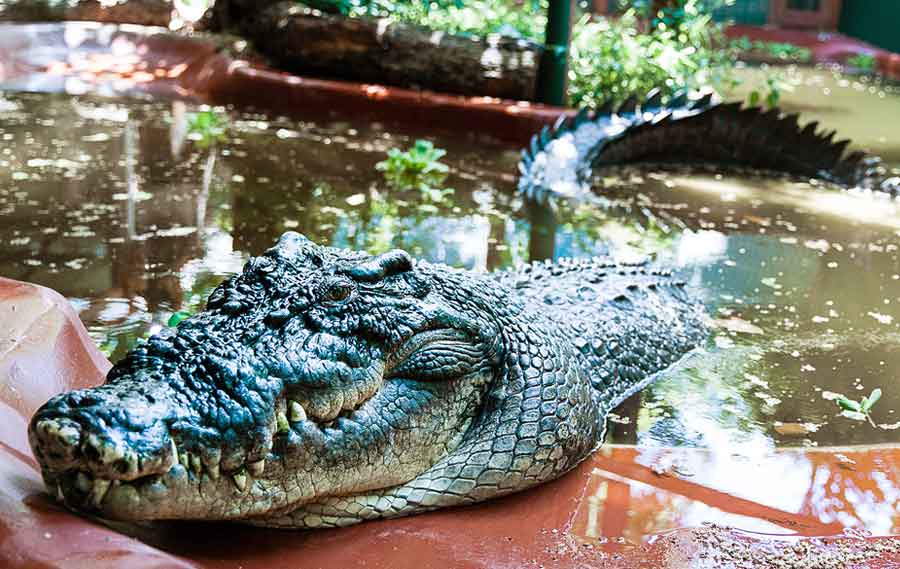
(117, 205)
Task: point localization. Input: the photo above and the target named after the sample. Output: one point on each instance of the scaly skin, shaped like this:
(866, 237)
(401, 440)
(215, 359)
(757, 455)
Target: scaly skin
(560, 160)
(323, 387)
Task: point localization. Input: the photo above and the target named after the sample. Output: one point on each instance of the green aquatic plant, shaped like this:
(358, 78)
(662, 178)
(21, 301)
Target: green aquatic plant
(773, 49)
(207, 128)
(422, 159)
(859, 410)
(769, 93)
(862, 61)
(178, 317)
(786, 51)
(418, 168)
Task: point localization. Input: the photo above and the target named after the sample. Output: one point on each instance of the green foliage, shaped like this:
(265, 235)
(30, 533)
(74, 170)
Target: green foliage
(859, 410)
(207, 128)
(679, 47)
(785, 51)
(863, 62)
(772, 49)
(614, 59)
(769, 93)
(178, 317)
(479, 17)
(417, 168)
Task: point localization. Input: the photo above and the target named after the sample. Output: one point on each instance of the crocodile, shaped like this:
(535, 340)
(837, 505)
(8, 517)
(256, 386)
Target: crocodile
(322, 387)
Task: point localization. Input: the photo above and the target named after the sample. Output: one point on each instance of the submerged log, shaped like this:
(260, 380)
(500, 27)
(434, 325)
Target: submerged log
(301, 40)
(142, 12)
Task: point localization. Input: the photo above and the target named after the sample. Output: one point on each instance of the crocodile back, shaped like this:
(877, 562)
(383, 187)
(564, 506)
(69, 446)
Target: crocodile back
(626, 322)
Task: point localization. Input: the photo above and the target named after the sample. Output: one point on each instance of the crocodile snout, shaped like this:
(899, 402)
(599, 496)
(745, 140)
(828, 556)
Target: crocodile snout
(71, 435)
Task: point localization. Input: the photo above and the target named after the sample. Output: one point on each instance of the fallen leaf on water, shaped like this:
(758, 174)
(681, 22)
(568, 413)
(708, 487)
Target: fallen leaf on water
(764, 221)
(883, 318)
(795, 429)
(356, 199)
(736, 325)
(723, 342)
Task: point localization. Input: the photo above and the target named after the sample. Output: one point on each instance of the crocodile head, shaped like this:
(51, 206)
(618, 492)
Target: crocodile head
(315, 373)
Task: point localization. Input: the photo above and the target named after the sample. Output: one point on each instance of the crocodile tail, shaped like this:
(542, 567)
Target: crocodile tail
(701, 130)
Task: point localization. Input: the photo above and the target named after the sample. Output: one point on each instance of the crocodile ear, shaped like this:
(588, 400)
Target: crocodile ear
(384, 265)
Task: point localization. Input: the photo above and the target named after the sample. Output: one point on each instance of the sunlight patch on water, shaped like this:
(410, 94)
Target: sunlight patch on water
(863, 207)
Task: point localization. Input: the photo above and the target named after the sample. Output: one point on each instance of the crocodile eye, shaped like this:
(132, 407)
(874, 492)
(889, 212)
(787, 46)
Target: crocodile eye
(338, 291)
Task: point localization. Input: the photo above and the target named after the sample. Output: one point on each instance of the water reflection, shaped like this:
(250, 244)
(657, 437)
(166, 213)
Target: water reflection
(633, 493)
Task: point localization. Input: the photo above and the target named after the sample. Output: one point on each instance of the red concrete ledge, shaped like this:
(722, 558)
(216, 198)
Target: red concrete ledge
(510, 121)
(826, 47)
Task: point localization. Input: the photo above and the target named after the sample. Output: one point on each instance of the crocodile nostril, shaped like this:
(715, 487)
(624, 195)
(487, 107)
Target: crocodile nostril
(56, 440)
(122, 466)
(81, 399)
(91, 453)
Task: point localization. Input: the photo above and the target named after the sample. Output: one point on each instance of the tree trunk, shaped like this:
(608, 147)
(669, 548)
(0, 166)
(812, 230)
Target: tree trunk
(141, 12)
(300, 40)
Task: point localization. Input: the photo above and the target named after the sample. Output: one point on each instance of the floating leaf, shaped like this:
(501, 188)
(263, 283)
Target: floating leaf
(855, 415)
(753, 98)
(871, 400)
(178, 317)
(795, 429)
(849, 404)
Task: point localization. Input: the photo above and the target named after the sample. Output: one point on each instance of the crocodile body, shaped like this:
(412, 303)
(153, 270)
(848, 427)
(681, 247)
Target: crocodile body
(323, 387)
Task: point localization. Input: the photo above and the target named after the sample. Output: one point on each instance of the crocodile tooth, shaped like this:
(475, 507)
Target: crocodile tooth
(282, 422)
(83, 482)
(213, 470)
(184, 459)
(59, 494)
(173, 451)
(196, 465)
(298, 413)
(240, 480)
(99, 491)
(256, 468)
